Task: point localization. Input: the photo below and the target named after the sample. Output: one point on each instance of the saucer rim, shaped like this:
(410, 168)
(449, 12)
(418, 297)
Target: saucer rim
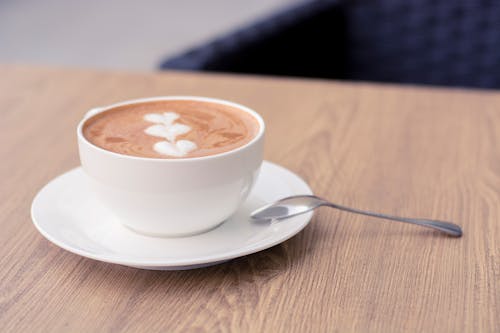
(220, 257)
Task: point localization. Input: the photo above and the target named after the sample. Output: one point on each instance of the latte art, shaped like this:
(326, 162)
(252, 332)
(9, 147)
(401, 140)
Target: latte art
(167, 129)
(171, 129)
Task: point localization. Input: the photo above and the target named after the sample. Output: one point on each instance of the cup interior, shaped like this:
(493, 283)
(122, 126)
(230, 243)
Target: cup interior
(96, 111)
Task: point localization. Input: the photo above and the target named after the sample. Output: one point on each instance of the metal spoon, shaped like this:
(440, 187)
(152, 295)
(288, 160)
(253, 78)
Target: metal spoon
(300, 204)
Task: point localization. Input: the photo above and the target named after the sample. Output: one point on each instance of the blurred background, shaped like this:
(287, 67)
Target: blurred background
(120, 34)
(437, 42)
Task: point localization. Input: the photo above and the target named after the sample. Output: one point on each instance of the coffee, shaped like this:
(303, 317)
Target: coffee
(171, 129)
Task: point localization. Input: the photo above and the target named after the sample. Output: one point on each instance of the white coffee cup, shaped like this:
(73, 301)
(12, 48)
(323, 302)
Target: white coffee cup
(172, 197)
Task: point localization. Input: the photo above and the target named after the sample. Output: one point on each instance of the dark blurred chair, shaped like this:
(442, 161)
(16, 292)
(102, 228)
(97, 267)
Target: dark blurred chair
(439, 42)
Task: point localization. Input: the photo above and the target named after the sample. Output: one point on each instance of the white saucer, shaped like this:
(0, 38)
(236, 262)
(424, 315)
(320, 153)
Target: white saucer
(67, 214)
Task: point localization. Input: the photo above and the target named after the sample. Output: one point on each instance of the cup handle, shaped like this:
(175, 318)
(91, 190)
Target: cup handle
(92, 112)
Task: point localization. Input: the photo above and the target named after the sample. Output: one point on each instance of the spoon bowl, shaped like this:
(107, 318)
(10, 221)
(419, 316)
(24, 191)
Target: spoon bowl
(287, 207)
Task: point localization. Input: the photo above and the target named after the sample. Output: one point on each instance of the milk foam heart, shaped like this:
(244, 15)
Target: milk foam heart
(178, 149)
(166, 118)
(167, 132)
(165, 128)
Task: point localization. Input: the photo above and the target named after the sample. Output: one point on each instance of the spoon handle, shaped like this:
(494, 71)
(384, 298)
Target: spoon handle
(446, 227)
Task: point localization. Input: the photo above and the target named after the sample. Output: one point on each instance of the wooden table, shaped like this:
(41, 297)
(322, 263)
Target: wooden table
(403, 150)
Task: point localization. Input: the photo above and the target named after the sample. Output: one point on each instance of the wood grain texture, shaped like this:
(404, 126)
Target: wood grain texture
(403, 150)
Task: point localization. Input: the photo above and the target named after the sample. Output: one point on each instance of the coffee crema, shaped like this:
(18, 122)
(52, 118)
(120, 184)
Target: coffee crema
(171, 129)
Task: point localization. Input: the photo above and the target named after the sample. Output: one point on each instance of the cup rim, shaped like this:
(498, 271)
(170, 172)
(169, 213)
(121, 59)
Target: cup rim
(99, 110)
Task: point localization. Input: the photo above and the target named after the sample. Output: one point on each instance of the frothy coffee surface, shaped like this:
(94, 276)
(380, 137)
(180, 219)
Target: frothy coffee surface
(171, 129)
